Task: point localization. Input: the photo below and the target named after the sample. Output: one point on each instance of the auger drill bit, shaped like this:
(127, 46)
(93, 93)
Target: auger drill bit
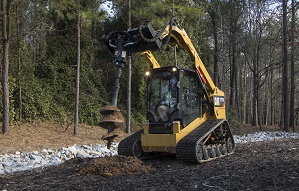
(112, 121)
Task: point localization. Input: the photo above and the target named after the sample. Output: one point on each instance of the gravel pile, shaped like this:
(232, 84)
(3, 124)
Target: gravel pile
(264, 136)
(20, 161)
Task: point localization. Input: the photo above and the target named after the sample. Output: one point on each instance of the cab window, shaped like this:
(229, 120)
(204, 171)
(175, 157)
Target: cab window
(162, 95)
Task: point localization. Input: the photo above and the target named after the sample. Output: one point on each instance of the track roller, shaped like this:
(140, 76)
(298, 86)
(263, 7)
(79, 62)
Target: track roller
(213, 151)
(218, 150)
(200, 152)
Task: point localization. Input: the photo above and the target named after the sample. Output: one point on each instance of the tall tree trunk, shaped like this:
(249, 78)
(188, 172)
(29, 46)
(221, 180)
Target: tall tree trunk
(258, 111)
(128, 128)
(271, 100)
(266, 107)
(77, 72)
(285, 69)
(5, 62)
(215, 35)
(222, 80)
(256, 84)
(19, 62)
(292, 98)
(255, 94)
(232, 69)
(244, 92)
(237, 98)
(250, 102)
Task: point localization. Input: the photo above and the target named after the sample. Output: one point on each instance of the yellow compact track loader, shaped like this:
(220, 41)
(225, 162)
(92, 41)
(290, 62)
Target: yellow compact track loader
(185, 110)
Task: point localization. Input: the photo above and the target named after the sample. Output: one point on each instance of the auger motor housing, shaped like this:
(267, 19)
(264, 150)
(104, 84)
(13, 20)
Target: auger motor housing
(135, 40)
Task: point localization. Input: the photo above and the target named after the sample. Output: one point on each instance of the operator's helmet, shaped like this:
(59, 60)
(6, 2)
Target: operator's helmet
(172, 81)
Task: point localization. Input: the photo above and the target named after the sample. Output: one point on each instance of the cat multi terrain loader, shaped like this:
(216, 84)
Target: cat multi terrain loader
(185, 110)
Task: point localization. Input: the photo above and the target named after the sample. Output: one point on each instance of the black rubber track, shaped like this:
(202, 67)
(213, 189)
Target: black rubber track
(186, 147)
(125, 147)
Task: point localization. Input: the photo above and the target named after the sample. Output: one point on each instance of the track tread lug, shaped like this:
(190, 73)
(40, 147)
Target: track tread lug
(186, 147)
(125, 147)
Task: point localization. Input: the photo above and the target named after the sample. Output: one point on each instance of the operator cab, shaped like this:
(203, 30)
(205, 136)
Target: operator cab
(173, 94)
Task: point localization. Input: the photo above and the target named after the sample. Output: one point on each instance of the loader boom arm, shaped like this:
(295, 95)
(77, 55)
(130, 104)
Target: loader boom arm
(145, 39)
(177, 36)
(182, 39)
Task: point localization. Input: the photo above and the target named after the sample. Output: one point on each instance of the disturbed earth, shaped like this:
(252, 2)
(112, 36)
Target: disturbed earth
(271, 165)
(263, 165)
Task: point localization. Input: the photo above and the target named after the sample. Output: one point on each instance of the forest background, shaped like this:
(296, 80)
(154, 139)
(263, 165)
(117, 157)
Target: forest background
(250, 48)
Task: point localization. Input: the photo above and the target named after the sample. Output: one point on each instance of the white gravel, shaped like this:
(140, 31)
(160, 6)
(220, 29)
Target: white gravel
(20, 161)
(264, 136)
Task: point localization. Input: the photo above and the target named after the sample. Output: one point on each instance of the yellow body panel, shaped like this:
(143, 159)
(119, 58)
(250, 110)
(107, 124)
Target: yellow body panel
(167, 142)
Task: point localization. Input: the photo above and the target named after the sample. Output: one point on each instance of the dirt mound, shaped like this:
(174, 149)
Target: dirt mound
(114, 166)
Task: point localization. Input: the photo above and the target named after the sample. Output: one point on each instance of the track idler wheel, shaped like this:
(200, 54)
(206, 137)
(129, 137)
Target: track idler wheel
(112, 121)
(137, 149)
(199, 152)
(230, 145)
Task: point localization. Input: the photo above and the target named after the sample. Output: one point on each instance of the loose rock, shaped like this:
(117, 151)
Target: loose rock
(27, 160)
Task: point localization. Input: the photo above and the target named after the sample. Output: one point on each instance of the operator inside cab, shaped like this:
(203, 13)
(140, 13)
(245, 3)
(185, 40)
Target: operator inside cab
(164, 91)
(168, 99)
(163, 95)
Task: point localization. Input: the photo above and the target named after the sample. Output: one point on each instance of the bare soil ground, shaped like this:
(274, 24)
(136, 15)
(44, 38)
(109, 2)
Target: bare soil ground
(43, 135)
(254, 166)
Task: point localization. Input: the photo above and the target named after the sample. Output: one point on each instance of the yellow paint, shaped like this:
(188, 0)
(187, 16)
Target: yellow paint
(151, 59)
(168, 142)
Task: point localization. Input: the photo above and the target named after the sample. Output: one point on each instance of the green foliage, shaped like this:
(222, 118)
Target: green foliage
(48, 52)
(48, 61)
(38, 102)
(89, 110)
(48, 56)
(12, 109)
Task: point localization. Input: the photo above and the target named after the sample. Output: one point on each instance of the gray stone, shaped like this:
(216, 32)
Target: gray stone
(87, 147)
(50, 151)
(7, 171)
(22, 164)
(45, 152)
(82, 154)
(38, 159)
(21, 168)
(73, 150)
(8, 163)
(96, 154)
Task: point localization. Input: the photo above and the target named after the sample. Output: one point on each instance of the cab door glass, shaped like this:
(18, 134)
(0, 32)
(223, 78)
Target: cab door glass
(162, 95)
(190, 97)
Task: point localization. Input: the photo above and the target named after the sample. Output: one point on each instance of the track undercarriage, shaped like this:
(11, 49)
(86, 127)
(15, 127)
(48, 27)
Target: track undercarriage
(211, 140)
